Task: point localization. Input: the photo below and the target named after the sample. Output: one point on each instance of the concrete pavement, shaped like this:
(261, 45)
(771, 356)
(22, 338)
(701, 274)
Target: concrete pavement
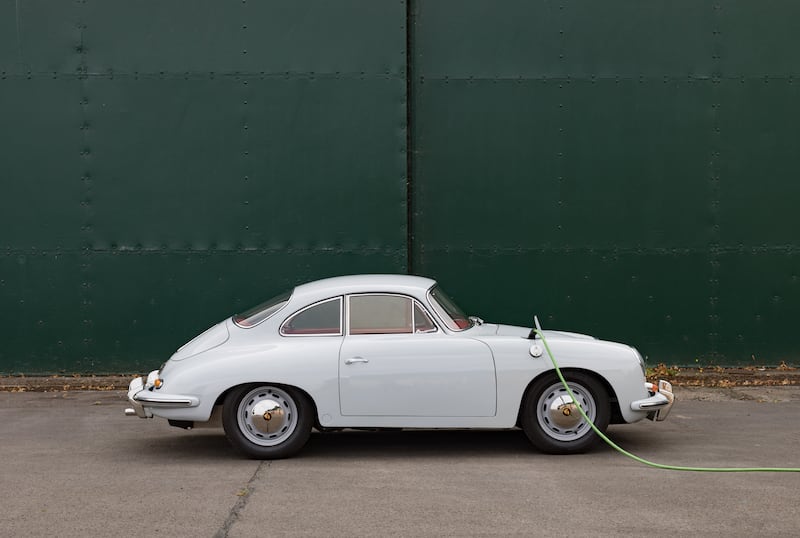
(73, 465)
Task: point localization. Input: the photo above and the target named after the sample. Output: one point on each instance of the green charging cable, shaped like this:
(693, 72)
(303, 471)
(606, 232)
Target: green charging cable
(624, 452)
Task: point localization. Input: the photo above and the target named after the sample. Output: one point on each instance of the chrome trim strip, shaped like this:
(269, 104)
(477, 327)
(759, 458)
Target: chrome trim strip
(165, 400)
(140, 395)
(661, 401)
(657, 400)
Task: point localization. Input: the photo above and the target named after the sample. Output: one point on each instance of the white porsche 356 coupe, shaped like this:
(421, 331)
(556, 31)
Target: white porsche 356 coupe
(391, 351)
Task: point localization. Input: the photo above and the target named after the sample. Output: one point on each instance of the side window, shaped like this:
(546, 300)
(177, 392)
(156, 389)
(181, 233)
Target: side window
(422, 322)
(380, 314)
(323, 318)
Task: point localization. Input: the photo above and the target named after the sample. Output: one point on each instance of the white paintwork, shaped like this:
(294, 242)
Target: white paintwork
(211, 338)
(470, 379)
(417, 375)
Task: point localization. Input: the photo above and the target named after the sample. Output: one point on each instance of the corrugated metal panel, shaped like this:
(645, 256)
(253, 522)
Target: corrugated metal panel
(620, 168)
(166, 166)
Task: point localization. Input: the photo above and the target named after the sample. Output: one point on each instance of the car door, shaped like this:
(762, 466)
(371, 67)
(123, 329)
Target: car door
(395, 361)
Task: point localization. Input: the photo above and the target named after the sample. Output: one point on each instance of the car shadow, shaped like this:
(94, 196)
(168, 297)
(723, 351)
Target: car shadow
(212, 444)
(422, 443)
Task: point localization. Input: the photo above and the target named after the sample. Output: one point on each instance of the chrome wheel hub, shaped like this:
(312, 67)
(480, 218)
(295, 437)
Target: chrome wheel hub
(564, 413)
(267, 416)
(558, 414)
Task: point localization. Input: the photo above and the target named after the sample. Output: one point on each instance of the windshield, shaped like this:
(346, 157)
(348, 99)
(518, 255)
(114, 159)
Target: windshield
(451, 314)
(257, 314)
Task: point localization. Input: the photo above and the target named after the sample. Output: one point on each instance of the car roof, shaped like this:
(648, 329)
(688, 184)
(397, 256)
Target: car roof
(415, 286)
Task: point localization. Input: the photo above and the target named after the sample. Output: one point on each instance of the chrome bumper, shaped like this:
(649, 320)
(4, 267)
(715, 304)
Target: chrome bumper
(659, 403)
(142, 396)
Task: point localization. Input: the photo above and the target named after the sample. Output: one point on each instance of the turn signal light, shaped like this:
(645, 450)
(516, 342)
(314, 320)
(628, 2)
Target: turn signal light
(157, 383)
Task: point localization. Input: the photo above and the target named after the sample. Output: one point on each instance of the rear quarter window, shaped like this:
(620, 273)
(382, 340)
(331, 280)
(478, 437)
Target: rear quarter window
(323, 318)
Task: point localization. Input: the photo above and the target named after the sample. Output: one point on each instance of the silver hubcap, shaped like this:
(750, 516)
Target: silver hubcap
(267, 416)
(558, 415)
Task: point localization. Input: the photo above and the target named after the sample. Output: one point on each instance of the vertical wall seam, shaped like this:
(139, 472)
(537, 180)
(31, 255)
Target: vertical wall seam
(714, 188)
(86, 190)
(410, 206)
(560, 135)
(246, 163)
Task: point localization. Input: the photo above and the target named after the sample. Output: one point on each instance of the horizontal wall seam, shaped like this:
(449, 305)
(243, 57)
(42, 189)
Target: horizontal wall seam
(784, 249)
(605, 78)
(188, 251)
(397, 76)
(201, 75)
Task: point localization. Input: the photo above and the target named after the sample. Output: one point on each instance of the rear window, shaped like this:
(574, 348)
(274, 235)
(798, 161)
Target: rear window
(259, 313)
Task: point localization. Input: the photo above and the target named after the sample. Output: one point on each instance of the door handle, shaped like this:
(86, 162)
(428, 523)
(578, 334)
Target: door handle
(351, 360)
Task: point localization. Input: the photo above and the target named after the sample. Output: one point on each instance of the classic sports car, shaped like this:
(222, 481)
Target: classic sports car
(391, 351)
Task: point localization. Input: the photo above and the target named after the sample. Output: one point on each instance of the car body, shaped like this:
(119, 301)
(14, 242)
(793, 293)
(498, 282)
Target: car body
(391, 351)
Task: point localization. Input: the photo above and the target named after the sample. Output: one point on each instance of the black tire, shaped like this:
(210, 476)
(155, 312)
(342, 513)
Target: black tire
(267, 421)
(549, 417)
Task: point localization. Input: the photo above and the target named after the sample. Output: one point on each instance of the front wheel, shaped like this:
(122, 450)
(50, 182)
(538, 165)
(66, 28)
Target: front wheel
(552, 421)
(267, 421)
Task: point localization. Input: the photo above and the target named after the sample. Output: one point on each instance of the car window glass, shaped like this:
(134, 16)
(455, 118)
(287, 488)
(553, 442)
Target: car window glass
(422, 322)
(259, 313)
(451, 314)
(321, 318)
(380, 314)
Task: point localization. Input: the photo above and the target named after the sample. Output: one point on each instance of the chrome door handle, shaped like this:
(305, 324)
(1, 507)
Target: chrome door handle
(355, 359)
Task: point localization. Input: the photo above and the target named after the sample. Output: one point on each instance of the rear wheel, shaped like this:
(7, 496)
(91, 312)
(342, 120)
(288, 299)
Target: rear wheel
(267, 421)
(552, 421)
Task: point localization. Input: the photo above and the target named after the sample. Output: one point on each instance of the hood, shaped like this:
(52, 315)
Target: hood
(513, 330)
(564, 335)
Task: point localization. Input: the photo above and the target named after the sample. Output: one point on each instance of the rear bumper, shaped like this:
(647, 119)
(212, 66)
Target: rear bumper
(143, 397)
(659, 403)
(137, 410)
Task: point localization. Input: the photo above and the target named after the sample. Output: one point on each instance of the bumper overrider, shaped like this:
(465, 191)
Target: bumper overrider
(143, 396)
(659, 403)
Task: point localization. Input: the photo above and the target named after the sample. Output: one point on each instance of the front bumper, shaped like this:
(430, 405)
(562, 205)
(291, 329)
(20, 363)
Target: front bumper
(143, 397)
(659, 403)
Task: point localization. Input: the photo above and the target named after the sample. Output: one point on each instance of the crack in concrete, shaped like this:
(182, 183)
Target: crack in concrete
(244, 497)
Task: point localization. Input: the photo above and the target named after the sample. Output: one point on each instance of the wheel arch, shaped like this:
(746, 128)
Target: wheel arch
(221, 398)
(616, 414)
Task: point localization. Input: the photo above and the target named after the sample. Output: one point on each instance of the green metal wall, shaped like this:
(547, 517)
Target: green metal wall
(167, 163)
(623, 168)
